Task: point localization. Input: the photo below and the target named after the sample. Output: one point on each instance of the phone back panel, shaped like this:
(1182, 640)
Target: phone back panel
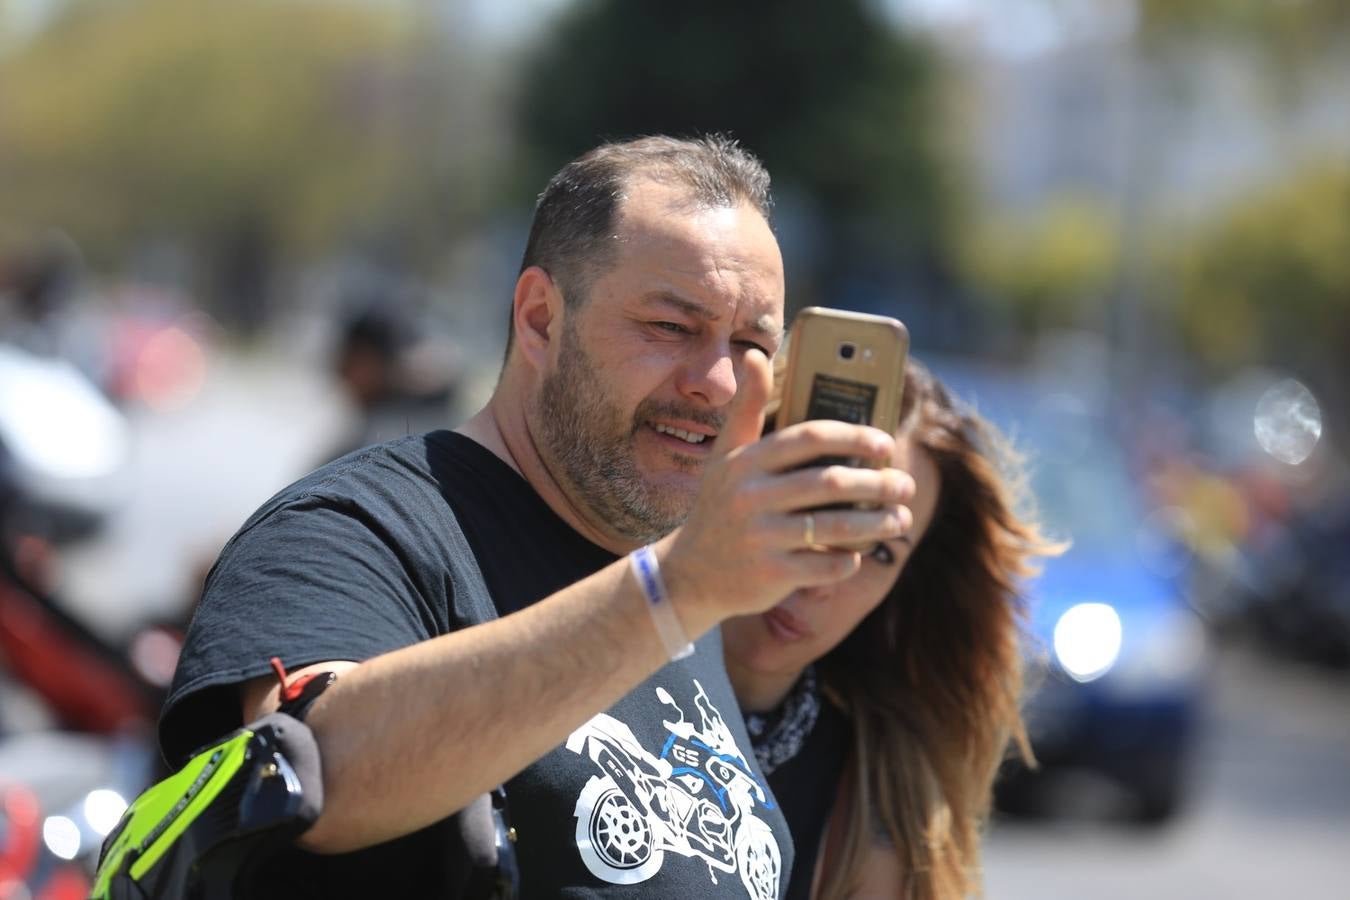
(844, 365)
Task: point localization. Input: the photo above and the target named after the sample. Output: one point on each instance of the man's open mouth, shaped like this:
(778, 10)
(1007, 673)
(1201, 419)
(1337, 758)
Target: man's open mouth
(686, 436)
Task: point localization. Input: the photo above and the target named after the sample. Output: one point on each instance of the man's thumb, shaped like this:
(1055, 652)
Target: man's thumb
(745, 415)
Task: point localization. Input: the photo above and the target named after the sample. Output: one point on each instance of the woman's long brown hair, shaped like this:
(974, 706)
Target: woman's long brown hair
(931, 680)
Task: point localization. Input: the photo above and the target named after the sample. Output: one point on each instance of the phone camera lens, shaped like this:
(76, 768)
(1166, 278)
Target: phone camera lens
(846, 351)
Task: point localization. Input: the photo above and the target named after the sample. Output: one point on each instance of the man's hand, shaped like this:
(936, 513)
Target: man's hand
(747, 542)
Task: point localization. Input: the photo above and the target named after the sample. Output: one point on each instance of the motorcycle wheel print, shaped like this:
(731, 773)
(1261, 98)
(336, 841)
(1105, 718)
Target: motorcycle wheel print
(758, 859)
(615, 840)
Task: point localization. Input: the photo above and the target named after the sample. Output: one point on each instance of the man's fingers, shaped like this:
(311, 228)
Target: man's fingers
(806, 442)
(745, 414)
(817, 486)
(826, 566)
(839, 528)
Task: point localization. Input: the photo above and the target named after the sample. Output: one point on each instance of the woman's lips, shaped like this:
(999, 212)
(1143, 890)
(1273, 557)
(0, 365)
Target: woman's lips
(785, 626)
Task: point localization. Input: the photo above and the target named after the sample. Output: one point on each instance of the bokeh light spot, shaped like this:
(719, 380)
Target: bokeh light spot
(103, 808)
(1288, 422)
(62, 836)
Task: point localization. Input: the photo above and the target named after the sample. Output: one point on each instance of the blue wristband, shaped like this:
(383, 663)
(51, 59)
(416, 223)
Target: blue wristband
(647, 571)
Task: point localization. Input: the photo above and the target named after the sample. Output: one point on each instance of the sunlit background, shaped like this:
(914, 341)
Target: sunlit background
(238, 239)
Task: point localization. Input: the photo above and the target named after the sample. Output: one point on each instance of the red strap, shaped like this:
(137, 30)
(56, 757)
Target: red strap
(292, 691)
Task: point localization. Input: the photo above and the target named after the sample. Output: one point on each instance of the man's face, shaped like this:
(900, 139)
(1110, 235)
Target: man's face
(644, 370)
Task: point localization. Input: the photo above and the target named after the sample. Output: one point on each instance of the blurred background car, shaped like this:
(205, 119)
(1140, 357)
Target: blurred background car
(1117, 683)
(1298, 584)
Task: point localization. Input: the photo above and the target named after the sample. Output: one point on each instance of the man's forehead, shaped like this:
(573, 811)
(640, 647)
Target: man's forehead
(642, 220)
(694, 251)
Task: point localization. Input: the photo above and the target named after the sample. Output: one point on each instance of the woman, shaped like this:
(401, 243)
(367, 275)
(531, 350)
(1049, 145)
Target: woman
(885, 704)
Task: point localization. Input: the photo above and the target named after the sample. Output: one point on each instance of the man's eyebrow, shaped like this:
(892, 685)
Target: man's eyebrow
(765, 324)
(768, 326)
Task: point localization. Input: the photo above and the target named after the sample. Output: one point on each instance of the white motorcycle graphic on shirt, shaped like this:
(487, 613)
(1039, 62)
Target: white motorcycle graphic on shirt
(696, 799)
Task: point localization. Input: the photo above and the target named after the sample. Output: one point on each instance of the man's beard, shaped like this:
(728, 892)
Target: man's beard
(588, 436)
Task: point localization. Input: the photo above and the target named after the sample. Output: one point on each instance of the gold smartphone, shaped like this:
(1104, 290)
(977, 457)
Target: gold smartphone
(847, 366)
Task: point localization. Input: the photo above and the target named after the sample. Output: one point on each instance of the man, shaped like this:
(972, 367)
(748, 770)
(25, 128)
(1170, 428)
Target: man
(630, 402)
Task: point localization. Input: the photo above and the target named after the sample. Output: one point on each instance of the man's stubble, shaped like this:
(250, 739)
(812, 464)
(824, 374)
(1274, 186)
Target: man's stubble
(591, 443)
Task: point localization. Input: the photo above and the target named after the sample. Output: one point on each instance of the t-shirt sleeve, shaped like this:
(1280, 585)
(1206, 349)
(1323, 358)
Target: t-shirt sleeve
(312, 581)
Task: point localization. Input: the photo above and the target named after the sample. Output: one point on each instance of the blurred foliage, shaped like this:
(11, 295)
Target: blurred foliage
(838, 104)
(1289, 20)
(1047, 269)
(258, 128)
(1287, 31)
(1270, 275)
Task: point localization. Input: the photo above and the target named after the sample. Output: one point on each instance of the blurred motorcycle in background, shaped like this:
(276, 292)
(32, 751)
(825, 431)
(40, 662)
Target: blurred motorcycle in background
(76, 722)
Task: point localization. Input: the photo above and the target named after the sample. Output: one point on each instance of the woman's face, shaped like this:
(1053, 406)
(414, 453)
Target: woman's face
(812, 621)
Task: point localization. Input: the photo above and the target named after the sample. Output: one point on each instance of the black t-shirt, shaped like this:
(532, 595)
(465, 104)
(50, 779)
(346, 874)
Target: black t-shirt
(658, 796)
(806, 786)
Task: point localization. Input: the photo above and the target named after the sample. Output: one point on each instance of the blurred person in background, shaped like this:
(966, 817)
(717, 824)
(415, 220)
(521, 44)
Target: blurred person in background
(881, 706)
(397, 381)
(515, 601)
(45, 316)
(38, 276)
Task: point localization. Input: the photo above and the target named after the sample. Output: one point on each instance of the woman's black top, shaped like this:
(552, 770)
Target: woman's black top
(806, 786)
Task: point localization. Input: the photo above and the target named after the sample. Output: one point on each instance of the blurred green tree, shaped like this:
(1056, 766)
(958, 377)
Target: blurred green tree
(245, 133)
(1049, 269)
(1302, 22)
(1290, 35)
(838, 104)
(1269, 278)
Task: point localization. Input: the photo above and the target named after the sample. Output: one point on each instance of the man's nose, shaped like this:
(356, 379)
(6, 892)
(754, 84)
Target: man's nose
(710, 378)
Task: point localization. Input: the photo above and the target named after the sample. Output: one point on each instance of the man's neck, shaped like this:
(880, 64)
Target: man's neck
(760, 692)
(503, 428)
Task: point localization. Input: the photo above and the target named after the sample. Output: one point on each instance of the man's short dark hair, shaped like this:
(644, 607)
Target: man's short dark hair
(570, 237)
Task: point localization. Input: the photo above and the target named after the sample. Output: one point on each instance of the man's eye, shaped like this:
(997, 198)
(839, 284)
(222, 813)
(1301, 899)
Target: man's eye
(672, 327)
(882, 554)
(751, 345)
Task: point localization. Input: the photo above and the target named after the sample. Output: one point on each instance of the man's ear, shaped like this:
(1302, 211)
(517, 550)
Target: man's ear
(536, 315)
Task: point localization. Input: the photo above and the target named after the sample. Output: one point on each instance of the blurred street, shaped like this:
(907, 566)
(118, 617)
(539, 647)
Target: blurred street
(1270, 815)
